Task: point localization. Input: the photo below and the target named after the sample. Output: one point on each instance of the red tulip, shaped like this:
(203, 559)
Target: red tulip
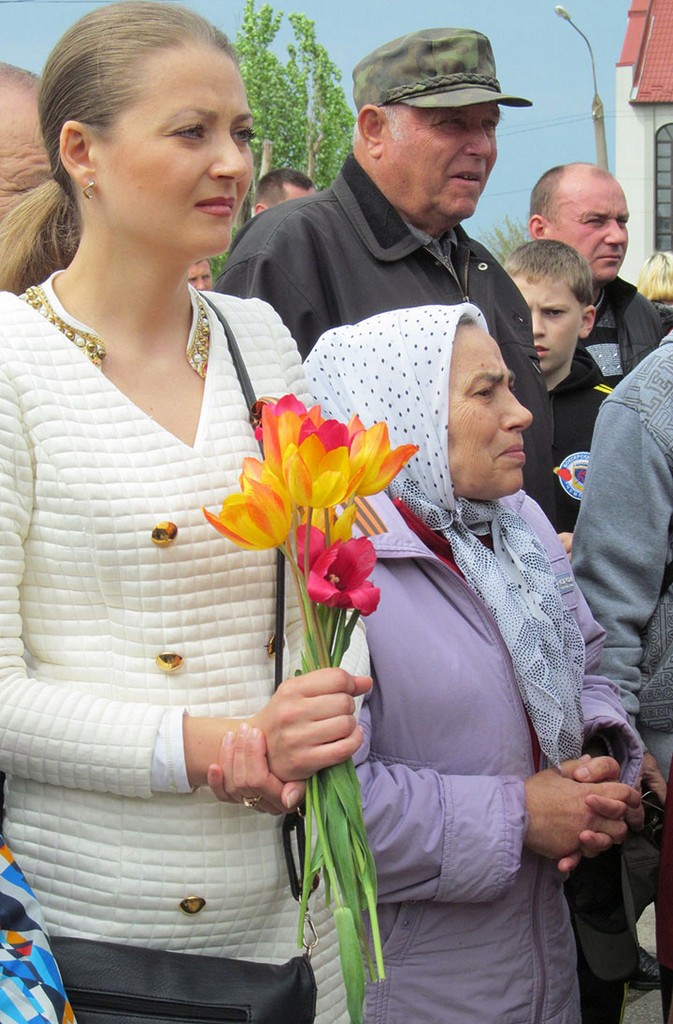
(338, 577)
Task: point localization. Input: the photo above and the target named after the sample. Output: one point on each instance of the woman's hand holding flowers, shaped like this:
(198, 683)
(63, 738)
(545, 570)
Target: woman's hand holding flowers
(307, 725)
(309, 722)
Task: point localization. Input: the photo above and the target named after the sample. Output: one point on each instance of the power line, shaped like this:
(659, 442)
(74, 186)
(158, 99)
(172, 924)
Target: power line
(62, 3)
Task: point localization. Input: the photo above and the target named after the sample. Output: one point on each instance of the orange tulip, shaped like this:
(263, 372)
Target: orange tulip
(316, 477)
(373, 462)
(281, 429)
(258, 519)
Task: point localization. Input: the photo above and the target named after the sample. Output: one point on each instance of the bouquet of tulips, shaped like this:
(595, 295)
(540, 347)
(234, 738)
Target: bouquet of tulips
(301, 498)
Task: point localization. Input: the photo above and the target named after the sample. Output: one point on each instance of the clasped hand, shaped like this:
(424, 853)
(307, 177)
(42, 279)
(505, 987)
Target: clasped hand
(308, 724)
(579, 810)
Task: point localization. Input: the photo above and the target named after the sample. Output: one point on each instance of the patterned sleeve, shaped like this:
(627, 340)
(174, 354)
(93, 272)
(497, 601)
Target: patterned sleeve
(31, 990)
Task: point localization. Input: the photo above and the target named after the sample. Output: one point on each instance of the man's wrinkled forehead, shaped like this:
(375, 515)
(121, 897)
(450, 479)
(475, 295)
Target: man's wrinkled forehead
(591, 195)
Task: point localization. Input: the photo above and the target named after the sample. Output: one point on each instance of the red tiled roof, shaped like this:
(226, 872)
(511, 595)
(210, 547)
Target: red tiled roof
(648, 46)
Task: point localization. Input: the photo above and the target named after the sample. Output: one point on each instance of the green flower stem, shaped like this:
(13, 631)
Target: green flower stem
(307, 876)
(330, 870)
(334, 806)
(298, 579)
(315, 630)
(351, 962)
(344, 632)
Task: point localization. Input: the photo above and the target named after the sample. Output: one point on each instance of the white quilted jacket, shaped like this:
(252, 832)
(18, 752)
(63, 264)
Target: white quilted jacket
(87, 602)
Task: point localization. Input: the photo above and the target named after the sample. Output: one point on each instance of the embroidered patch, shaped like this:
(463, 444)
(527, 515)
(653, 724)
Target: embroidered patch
(565, 581)
(572, 474)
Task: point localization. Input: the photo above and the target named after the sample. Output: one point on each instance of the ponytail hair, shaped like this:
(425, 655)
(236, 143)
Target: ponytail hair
(90, 76)
(37, 237)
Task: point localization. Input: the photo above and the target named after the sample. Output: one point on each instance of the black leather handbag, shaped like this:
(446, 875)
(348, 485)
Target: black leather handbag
(110, 983)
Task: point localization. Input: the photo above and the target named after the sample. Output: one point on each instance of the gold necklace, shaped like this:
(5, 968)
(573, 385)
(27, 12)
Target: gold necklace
(198, 346)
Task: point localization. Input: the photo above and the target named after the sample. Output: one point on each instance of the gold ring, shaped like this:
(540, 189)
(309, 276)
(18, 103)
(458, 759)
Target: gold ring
(252, 801)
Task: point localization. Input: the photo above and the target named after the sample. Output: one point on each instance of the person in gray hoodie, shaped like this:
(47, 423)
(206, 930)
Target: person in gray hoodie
(623, 557)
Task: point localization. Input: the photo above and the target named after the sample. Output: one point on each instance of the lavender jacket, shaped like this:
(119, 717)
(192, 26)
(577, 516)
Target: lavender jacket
(475, 928)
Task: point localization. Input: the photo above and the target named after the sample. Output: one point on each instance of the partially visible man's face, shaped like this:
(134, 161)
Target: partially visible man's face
(200, 277)
(23, 161)
(591, 215)
(436, 162)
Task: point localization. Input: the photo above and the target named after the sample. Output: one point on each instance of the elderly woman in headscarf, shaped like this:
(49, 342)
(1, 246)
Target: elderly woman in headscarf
(494, 756)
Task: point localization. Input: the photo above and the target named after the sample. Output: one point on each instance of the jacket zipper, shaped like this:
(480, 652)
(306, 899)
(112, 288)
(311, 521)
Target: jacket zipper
(448, 265)
(147, 1009)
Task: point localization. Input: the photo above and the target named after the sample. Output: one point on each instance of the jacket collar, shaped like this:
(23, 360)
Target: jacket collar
(619, 293)
(377, 223)
(584, 373)
(379, 520)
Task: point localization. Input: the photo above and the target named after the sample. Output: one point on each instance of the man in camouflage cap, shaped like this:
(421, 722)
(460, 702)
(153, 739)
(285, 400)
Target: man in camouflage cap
(387, 233)
(436, 67)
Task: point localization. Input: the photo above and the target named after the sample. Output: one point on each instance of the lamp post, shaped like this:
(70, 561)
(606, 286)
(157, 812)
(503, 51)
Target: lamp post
(597, 104)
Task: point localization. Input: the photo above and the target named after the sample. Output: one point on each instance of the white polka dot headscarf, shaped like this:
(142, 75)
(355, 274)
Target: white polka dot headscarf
(395, 367)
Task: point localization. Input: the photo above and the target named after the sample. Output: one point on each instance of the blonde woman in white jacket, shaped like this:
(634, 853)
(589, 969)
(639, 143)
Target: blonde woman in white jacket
(133, 650)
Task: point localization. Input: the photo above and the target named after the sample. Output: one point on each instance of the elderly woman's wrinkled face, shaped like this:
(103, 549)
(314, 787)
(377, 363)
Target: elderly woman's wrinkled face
(486, 421)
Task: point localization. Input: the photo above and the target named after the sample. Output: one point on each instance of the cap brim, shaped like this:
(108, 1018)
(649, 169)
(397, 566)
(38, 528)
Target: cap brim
(604, 916)
(612, 956)
(465, 97)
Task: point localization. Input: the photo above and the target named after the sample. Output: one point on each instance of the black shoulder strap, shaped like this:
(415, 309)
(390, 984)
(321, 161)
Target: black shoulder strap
(235, 352)
(251, 399)
(293, 823)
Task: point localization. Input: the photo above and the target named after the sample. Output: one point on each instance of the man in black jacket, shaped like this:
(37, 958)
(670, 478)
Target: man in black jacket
(387, 233)
(585, 207)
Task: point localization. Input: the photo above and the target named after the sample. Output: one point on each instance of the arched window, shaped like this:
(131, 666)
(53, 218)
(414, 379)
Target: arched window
(664, 189)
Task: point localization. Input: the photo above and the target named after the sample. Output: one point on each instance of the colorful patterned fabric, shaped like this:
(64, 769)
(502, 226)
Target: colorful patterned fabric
(31, 991)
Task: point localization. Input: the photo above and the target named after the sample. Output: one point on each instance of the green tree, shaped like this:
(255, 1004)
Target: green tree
(504, 237)
(328, 127)
(298, 105)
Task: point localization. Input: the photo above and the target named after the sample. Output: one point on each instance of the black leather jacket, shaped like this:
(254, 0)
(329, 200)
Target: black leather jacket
(345, 254)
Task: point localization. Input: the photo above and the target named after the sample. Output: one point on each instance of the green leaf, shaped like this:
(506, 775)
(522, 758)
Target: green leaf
(336, 827)
(351, 963)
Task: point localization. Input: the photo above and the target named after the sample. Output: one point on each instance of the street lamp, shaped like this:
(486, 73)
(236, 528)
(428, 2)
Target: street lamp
(597, 104)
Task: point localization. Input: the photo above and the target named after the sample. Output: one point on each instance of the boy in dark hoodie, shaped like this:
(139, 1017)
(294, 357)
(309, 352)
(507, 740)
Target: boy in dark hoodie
(555, 281)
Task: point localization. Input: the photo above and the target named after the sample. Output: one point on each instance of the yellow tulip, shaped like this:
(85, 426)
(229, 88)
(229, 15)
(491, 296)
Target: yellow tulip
(373, 462)
(342, 527)
(315, 477)
(281, 432)
(256, 520)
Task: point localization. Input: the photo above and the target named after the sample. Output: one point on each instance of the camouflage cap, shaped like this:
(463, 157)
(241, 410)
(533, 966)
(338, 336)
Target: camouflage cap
(436, 67)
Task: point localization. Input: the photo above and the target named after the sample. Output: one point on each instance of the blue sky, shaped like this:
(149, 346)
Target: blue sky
(538, 55)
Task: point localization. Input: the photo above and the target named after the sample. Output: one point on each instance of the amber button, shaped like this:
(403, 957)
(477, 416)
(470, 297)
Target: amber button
(169, 661)
(164, 533)
(192, 904)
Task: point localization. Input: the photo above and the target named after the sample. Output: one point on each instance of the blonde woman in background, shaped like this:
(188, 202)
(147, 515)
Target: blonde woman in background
(655, 282)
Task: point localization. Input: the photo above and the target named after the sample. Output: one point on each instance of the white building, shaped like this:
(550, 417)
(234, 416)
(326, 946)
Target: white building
(644, 130)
